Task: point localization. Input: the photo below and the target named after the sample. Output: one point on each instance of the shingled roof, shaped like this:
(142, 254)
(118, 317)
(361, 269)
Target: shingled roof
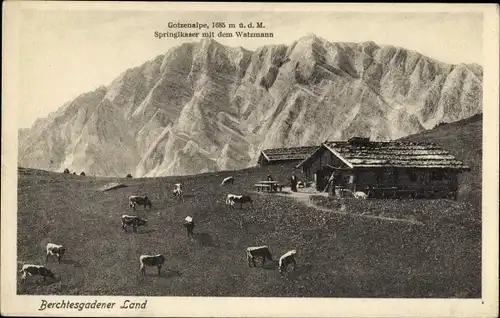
(391, 154)
(293, 153)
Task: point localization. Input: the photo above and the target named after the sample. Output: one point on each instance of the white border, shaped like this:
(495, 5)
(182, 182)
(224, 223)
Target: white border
(11, 304)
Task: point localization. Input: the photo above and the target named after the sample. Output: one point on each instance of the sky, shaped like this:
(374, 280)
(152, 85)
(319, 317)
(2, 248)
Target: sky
(64, 53)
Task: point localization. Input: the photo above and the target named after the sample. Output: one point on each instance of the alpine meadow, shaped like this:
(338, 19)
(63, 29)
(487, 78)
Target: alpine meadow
(314, 169)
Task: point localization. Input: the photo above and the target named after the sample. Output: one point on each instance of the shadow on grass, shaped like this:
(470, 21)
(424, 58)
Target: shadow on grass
(146, 231)
(170, 273)
(271, 265)
(36, 281)
(296, 272)
(165, 273)
(204, 239)
(69, 261)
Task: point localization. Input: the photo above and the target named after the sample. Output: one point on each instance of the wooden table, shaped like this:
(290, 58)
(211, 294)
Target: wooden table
(270, 186)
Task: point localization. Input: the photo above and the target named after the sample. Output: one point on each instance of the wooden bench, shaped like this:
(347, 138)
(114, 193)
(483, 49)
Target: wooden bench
(261, 187)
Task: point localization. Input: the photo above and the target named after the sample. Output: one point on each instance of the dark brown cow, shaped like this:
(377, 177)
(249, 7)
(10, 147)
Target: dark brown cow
(135, 200)
(259, 251)
(133, 221)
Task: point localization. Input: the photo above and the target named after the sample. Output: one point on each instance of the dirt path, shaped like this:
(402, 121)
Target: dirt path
(305, 198)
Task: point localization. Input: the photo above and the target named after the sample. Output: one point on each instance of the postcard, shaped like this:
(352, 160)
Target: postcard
(249, 159)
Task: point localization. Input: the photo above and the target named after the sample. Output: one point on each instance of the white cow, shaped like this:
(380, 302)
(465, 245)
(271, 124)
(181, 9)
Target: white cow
(232, 199)
(360, 195)
(228, 180)
(229, 198)
(32, 270)
(55, 250)
(286, 259)
(357, 194)
(152, 261)
(178, 192)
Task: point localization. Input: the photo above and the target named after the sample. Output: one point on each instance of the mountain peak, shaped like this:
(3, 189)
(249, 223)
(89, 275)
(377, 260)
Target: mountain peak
(311, 37)
(203, 105)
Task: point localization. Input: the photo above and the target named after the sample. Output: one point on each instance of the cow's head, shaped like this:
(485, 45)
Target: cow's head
(281, 267)
(162, 258)
(62, 250)
(49, 273)
(141, 222)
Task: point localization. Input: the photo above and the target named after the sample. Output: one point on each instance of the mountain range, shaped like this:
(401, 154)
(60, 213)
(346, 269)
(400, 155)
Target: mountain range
(205, 107)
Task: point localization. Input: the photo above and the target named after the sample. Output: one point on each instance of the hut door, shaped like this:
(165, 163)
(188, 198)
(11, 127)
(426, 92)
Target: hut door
(351, 182)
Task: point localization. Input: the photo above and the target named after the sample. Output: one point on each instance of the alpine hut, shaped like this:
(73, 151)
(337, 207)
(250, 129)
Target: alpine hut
(383, 169)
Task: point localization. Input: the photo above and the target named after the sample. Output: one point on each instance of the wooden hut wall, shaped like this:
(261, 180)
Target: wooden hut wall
(419, 180)
(262, 161)
(325, 157)
(283, 170)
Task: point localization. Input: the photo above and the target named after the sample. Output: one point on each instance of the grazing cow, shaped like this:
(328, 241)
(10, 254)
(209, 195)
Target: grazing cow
(178, 192)
(133, 221)
(33, 270)
(232, 199)
(259, 251)
(135, 200)
(151, 260)
(286, 259)
(55, 250)
(356, 195)
(360, 195)
(189, 224)
(229, 198)
(228, 180)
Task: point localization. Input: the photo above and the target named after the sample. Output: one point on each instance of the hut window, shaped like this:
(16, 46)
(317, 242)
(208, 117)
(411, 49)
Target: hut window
(437, 175)
(412, 176)
(393, 174)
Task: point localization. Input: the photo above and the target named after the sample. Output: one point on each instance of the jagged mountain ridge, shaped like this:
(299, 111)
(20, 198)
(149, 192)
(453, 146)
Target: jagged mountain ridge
(204, 106)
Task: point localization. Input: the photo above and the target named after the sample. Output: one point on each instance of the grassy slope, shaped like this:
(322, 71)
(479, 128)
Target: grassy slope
(339, 256)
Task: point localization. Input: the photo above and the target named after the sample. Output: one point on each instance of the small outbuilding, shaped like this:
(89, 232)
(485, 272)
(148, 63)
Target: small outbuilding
(383, 169)
(285, 155)
(281, 163)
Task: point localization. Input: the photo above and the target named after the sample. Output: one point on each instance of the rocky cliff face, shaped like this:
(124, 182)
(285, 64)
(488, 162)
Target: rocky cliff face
(204, 106)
